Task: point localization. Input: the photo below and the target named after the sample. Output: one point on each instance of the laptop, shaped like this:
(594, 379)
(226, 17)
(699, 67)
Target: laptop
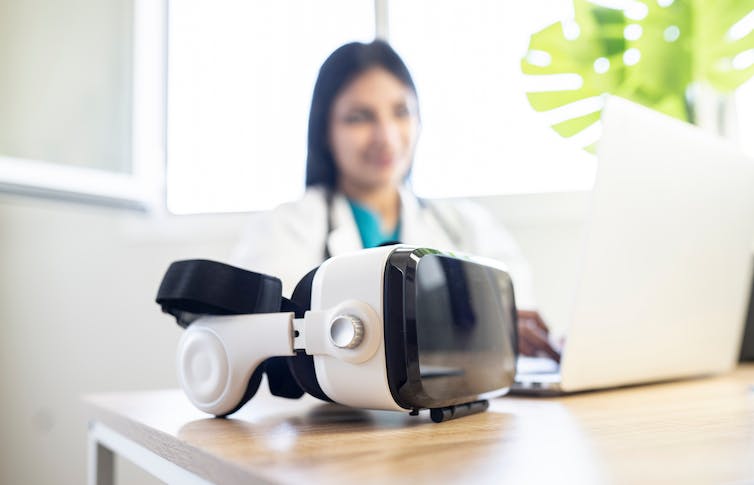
(667, 262)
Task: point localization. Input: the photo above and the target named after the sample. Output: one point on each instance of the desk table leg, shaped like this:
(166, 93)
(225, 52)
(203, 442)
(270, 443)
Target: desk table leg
(105, 444)
(101, 463)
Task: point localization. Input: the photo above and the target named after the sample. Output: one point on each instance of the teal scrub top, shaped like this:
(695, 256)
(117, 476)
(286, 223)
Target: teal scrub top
(368, 223)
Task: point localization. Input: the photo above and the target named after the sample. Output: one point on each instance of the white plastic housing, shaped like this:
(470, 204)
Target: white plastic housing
(218, 354)
(351, 284)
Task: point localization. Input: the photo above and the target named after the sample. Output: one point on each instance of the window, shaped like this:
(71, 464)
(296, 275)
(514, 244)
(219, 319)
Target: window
(240, 79)
(476, 120)
(91, 108)
(241, 74)
(72, 100)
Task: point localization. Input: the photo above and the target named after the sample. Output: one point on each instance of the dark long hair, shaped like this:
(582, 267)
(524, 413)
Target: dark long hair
(342, 67)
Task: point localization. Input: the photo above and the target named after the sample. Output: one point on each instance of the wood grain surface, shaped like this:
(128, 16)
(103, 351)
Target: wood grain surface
(695, 431)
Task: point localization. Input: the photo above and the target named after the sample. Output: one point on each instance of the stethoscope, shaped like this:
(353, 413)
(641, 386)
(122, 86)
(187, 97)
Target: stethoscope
(423, 203)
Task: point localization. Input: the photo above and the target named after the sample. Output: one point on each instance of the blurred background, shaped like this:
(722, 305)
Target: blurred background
(138, 132)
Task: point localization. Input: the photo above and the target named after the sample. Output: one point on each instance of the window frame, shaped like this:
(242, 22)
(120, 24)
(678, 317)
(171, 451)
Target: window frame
(140, 189)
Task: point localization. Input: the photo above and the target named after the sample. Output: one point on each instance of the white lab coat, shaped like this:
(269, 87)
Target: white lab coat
(289, 241)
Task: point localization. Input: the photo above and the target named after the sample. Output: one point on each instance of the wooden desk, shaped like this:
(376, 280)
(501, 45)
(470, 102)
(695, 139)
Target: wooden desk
(697, 431)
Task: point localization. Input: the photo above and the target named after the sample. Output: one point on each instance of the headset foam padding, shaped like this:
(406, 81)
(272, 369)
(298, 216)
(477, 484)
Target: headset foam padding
(280, 378)
(302, 365)
(251, 389)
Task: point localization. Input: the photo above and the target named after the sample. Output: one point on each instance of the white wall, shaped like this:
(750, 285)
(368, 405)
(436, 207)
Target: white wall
(77, 315)
(77, 311)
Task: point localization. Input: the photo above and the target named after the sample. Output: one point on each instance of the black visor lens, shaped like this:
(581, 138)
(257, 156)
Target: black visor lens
(465, 327)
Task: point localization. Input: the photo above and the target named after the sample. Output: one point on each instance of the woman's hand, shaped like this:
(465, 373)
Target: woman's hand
(533, 335)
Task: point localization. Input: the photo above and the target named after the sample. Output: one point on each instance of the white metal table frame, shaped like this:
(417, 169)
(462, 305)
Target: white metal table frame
(104, 443)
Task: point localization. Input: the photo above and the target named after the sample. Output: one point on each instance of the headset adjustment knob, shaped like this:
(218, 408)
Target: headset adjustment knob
(346, 331)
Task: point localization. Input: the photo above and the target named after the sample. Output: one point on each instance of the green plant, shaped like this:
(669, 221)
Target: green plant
(651, 52)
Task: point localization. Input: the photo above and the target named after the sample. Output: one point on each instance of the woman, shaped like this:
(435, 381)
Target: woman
(363, 128)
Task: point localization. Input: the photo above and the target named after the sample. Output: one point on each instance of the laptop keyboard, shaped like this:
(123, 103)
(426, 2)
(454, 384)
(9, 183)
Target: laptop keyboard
(536, 365)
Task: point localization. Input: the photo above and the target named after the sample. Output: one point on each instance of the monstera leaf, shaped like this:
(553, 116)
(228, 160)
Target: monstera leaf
(650, 52)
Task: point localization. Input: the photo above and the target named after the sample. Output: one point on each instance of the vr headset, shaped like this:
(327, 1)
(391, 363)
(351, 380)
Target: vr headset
(395, 328)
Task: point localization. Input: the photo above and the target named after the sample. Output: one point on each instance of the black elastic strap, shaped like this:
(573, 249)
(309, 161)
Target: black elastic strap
(200, 287)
